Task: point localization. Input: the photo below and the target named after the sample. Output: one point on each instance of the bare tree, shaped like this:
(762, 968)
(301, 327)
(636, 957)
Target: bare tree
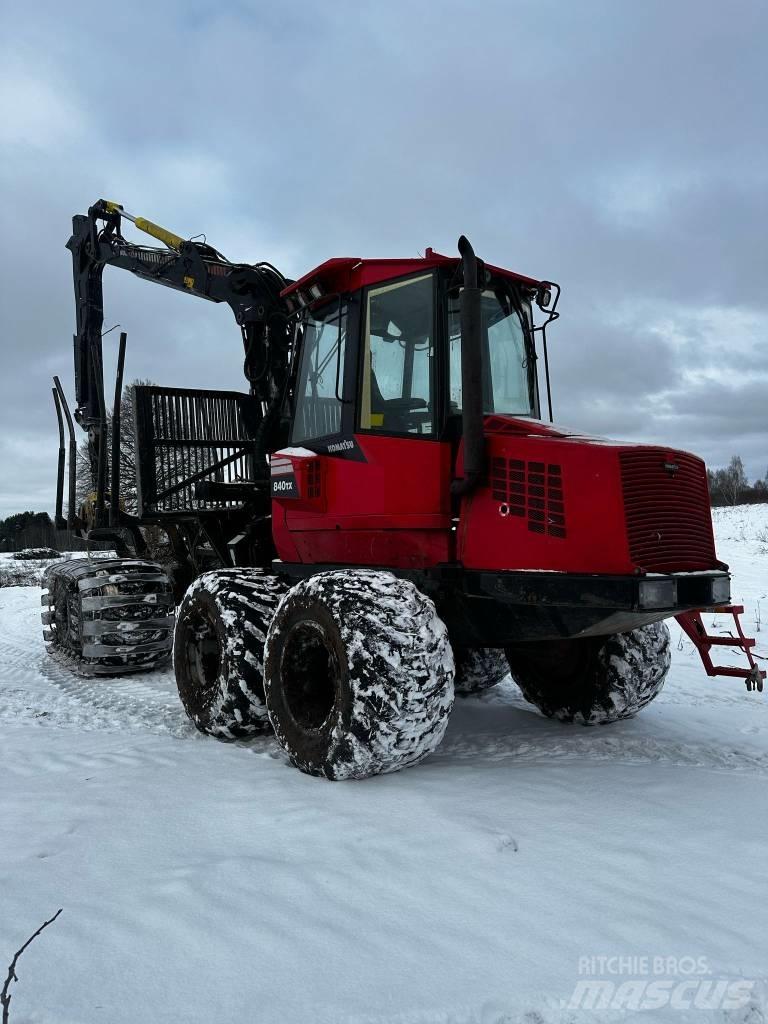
(735, 480)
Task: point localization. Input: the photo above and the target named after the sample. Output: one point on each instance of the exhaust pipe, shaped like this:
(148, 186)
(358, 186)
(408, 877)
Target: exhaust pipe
(471, 374)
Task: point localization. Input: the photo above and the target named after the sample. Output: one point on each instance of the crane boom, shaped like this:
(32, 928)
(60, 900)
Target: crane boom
(252, 291)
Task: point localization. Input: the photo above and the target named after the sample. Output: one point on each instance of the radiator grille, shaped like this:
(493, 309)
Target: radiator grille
(666, 503)
(531, 490)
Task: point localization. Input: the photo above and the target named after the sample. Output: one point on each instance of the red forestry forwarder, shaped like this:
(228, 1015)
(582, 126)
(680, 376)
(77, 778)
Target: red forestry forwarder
(381, 521)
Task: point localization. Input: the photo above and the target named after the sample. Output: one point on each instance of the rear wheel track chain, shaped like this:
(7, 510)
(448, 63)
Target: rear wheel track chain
(108, 617)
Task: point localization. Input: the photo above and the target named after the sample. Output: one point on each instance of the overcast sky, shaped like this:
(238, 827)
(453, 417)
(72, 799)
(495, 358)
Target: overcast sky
(616, 147)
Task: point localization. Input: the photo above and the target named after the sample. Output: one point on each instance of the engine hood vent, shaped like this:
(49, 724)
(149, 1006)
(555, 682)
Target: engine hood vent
(530, 490)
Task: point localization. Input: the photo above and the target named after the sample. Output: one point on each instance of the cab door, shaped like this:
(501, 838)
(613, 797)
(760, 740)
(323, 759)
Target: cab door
(385, 475)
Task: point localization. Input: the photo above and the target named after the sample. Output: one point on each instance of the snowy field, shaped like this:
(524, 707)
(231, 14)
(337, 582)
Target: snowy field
(204, 882)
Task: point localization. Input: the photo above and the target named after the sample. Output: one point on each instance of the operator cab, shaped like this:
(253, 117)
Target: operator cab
(377, 418)
(380, 348)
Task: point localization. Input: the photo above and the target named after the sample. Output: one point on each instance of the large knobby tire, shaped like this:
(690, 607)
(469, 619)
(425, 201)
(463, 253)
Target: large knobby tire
(479, 668)
(358, 674)
(593, 681)
(108, 616)
(218, 652)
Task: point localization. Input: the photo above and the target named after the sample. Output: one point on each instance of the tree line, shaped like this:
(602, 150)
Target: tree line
(730, 486)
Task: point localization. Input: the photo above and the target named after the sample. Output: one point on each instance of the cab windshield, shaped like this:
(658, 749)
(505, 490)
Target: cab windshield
(509, 371)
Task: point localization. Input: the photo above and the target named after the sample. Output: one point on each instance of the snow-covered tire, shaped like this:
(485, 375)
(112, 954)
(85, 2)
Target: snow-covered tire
(358, 674)
(218, 652)
(479, 668)
(108, 616)
(593, 681)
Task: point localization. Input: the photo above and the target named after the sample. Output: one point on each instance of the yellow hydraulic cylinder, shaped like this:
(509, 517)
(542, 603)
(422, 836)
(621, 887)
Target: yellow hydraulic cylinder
(163, 234)
(172, 240)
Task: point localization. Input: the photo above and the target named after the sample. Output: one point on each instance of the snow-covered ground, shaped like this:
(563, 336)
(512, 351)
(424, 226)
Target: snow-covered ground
(210, 882)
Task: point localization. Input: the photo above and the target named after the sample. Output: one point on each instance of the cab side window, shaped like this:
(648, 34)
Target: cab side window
(321, 375)
(398, 358)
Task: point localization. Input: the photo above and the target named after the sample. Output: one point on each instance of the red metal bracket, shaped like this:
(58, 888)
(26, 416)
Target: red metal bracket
(694, 628)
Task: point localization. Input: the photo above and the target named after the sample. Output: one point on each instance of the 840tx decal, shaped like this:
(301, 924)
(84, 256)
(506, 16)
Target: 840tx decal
(285, 486)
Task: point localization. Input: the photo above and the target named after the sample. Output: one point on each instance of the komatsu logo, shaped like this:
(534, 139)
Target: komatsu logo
(341, 446)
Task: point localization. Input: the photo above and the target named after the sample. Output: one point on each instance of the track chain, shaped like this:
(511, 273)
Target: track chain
(108, 617)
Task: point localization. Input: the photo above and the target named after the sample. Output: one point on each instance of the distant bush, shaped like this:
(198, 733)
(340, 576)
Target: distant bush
(20, 575)
(37, 554)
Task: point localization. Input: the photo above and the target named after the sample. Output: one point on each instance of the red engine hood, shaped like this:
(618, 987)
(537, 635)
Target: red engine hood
(558, 500)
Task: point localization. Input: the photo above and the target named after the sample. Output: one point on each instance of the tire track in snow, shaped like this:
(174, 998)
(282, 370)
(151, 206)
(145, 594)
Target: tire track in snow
(87, 763)
(491, 747)
(83, 705)
(147, 701)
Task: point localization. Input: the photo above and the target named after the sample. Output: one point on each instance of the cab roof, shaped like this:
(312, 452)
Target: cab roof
(348, 273)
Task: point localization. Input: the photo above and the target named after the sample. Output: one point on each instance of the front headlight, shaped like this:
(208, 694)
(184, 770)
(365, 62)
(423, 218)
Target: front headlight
(721, 590)
(658, 593)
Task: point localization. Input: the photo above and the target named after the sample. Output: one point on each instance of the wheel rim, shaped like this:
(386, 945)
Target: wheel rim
(309, 676)
(203, 651)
